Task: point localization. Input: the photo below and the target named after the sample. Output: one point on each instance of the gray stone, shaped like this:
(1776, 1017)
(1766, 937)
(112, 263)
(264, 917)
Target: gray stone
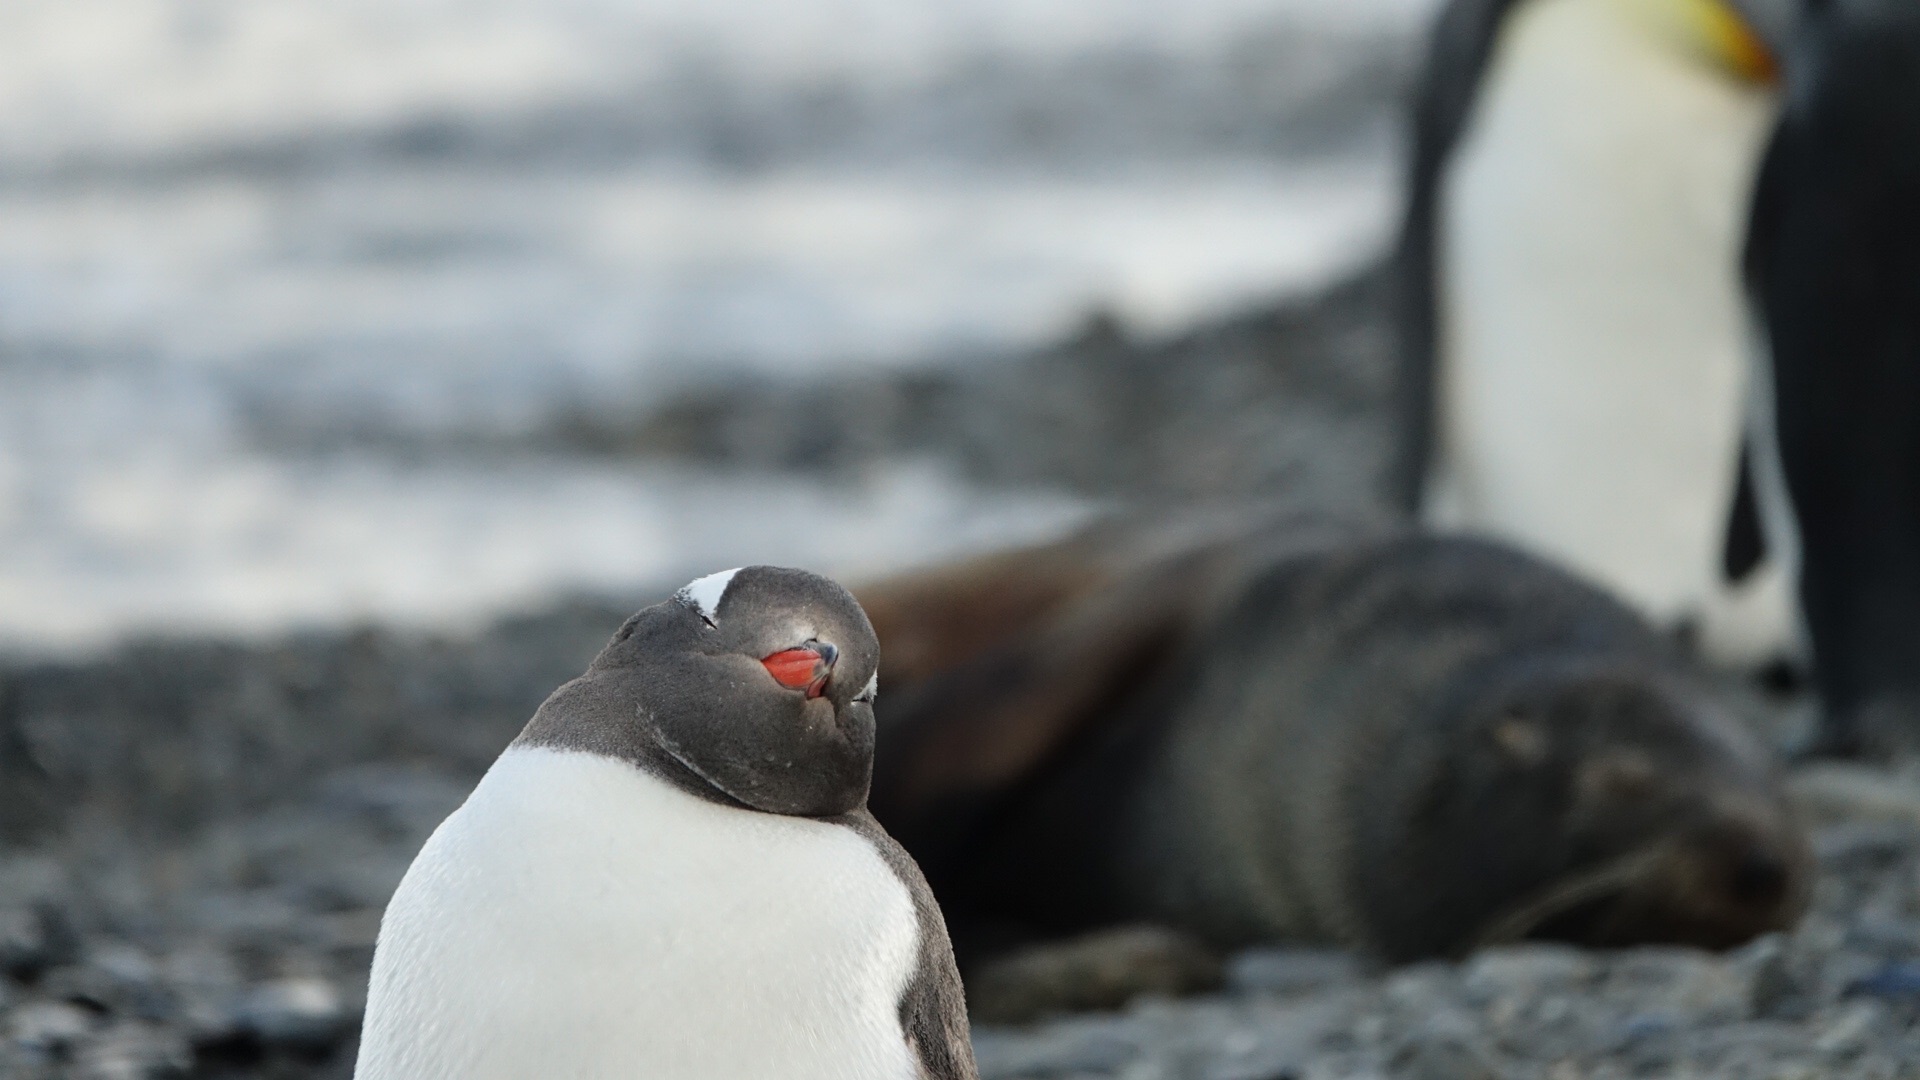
(34, 938)
(136, 1052)
(1831, 792)
(1290, 971)
(1860, 845)
(1445, 1057)
(1890, 982)
(115, 978)
(257, 940)
(1418, 986)
(1684, 982)
(1780, 987)
(1527, 969)
(50, 1027)
(207, 989)
(1102, 970)
(301, 1013)
(1848, 1029)
(1069, 1048)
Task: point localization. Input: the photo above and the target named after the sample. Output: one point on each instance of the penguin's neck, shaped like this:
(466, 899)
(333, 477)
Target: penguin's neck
(1709, 33)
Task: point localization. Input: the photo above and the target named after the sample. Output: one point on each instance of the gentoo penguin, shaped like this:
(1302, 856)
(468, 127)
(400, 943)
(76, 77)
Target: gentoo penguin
(1584, 357)
(1261, 728)
(671, 873)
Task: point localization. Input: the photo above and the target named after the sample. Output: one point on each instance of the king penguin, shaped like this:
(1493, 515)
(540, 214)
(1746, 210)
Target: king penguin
(1594, 365)
(671, 873)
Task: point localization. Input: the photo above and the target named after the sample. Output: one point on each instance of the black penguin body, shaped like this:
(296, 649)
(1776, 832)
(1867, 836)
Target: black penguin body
(1833, 262)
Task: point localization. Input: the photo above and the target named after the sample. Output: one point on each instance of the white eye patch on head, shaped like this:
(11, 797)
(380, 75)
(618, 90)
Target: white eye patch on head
(703, 594)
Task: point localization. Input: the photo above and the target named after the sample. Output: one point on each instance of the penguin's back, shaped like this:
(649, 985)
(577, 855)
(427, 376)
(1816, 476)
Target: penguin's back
(581, 918)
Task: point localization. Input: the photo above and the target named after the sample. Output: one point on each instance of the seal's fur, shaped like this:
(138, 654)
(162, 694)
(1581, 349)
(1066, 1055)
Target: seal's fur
(1255, 730)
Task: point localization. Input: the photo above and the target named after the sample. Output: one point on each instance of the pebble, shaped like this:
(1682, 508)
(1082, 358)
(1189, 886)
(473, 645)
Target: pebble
(1844, 792)
(137, 1052)
(1098, 971)
(1502, 977)
(299, 1014)
(1848, 1029)
(32, 939)
(239, 949)
(1898, 981)
(1445, 1058)
(115, 978)
(48, 1027)
(1290, 971)
(1861, 844)
(245, 975)
(1069, 1049)
(1778, 990)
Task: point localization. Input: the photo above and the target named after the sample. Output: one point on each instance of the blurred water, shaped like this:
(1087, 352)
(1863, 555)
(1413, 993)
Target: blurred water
(443, 217)
(123, 76)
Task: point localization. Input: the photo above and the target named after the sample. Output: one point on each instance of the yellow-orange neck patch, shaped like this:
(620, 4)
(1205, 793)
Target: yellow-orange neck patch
(1715, 32)
(1734, 42)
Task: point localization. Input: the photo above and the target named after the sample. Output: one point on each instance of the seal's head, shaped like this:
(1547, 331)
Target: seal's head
(754, 686)
(1601, 801)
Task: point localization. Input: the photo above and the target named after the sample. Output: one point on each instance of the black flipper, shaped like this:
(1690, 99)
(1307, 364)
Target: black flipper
(1461, 48)
(933, 1007)
(1746, 546)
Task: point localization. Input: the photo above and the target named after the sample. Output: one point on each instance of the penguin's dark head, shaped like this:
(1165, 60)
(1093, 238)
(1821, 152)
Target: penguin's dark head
(1604, 801)
(756, 684)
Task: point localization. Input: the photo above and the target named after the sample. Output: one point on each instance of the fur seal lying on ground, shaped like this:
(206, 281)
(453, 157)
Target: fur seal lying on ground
(671, 873)
(1264, 731)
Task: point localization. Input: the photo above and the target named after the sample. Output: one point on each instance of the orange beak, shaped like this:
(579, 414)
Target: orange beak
(806, 668)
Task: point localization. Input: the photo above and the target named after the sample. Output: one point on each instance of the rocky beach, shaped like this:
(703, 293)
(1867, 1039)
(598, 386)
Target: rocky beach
(359, 375)
(201, 839)
(201, 835)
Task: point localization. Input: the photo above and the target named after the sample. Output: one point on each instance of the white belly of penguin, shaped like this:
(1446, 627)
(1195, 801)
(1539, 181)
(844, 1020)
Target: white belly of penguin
(1593, 328)
(578, 918)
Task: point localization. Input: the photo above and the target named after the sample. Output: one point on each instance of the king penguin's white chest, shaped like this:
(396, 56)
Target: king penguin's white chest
(1594, 337)
(579, 918)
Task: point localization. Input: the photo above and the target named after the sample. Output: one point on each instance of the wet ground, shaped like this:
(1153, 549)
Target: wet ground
(201, 836)
(204, 838)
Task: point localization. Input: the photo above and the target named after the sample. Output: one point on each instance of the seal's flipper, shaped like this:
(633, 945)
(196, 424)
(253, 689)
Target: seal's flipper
(934, 620)
(954, 743)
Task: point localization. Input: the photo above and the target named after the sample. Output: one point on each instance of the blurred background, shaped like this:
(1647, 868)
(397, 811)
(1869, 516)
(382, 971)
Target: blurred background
(303, 302)
(364, 362)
